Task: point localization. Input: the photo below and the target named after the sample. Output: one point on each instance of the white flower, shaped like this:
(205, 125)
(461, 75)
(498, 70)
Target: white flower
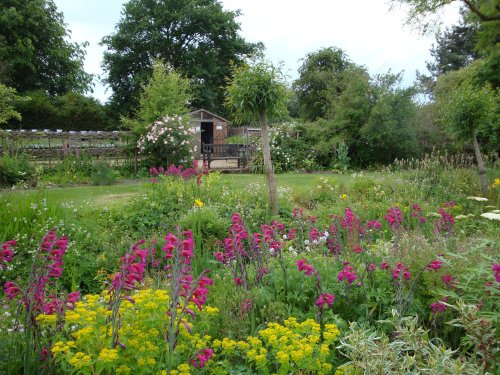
(491, 216)
(460, 217)
(496, 211)
(285, 237)
(306, 242)
(479, 199)
(308, 249)
(290, 248)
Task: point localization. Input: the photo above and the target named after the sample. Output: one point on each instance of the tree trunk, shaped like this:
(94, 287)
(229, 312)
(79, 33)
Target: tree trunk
(268, 165)
(480, 166)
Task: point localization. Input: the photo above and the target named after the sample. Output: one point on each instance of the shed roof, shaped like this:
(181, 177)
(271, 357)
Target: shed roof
(208, 112)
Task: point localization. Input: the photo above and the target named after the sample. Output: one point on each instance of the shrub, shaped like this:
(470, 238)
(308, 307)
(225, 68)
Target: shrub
(167, 141)
(103, 175)
(16, 170)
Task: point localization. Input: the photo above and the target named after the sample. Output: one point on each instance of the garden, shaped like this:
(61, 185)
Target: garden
(363, 238)
(393, 271)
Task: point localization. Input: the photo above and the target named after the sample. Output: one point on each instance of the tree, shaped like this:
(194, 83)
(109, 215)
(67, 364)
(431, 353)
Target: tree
(198, 38)
(34, 52)
(389, 131)
(166, 93)
(162, 132)
(454, 48)
(466, 110)
(258, 91)
(8, 97)
(422, 13)
(318, 74)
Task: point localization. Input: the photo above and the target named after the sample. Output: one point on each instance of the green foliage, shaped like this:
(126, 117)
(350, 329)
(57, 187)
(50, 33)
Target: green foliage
(103, 174)
(75, 111)
(71, 111)
(369, 351)
(373, 118)
(466, 109)
(424, 14)
(257, 89)
(286, 149)
(34, 51)
(17, 170)
(388, 133)
(166, 93)
(198, 38)
(8, 98)
(319, 74)
(454, 48)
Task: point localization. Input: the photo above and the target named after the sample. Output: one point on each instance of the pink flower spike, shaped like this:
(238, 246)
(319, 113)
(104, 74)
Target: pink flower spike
(11, 289)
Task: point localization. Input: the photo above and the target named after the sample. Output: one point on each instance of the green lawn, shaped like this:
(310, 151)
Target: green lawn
(104, 195)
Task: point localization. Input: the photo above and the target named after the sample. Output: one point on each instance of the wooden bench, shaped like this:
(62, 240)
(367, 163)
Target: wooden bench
(226, 152)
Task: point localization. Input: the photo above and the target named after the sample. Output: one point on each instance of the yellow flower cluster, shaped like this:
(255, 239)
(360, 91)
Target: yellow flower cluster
(288, 348)
(142, 332)
(46, 319)
(80, 360)
(108, 355)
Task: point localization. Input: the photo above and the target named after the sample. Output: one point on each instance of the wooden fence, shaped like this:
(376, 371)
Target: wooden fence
(50, 146)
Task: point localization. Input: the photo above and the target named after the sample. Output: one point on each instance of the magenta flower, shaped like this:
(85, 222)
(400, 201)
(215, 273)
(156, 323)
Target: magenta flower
(325, 299)
(7, 253)
(496, 271)
(435, 265)
(372, 267)
(394, 217)
(384, 265)
(373, 224)
(202, 357)
(308, 269)
(11, 290)
(445, 224)
(401, 270)
(438, 307)
(348, 274)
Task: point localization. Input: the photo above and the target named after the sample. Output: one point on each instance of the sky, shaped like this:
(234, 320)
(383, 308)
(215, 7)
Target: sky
(368, 32)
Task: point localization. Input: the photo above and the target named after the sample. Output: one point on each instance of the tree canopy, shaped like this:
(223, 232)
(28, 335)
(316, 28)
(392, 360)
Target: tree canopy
(258, 91)
(34, 52)
(198, 38)
(318, 75)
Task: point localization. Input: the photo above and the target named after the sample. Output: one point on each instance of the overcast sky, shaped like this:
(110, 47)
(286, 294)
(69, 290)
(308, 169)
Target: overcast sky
(366, 30)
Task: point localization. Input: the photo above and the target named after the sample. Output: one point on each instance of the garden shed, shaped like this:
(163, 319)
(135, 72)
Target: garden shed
(210, 128)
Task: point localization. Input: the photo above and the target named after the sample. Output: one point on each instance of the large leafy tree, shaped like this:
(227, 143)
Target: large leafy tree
(197, 37)
(258, 92)
(8, 97)
(319, 74)
(34, 52)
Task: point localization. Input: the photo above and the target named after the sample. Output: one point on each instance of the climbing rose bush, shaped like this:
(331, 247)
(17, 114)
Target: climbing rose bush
(169, 140)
